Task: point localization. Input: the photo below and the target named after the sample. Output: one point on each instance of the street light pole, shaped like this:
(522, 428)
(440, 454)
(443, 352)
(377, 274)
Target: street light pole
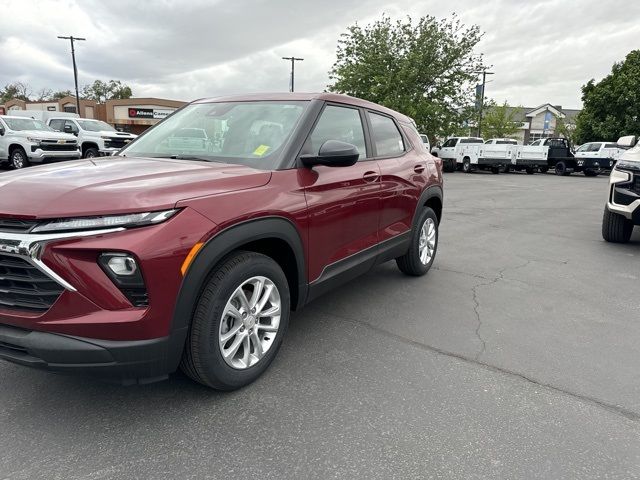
(75, 69)
(293, 68)
(484, 81)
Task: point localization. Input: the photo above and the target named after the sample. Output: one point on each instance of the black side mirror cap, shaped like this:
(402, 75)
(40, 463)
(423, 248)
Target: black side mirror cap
(333, 153)
(1, 131)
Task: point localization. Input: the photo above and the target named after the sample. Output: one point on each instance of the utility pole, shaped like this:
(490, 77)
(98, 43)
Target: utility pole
(293, 68)
(75, 69)
(484, 81)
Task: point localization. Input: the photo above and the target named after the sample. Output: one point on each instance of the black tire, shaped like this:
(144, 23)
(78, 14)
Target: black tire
(590, 173)
(410, 263)
(506, 169)
(202, 359)
(18, 158)
(91, 153)
(561, 169)
(466, 166)
(530, 170)
(495, 170)
(615, 227)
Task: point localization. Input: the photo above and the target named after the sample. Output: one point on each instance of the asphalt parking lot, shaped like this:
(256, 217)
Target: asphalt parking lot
(516, 357)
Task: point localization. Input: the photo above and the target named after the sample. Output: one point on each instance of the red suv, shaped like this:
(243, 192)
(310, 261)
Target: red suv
(191, 247)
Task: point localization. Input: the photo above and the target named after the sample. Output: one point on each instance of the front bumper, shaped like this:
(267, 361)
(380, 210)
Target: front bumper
(595, 164)
(127, 362)
(108, 152)
(624, 194)
(39, 155)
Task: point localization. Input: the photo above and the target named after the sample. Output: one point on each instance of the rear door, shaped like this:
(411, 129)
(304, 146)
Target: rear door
(403, 172)
(343, 202)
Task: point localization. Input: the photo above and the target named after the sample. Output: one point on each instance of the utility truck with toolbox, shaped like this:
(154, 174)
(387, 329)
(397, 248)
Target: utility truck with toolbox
(24, 141)
(452, 151)
(530, 158)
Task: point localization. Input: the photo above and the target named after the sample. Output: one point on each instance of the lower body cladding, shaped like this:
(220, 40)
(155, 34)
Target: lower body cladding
(63, 312)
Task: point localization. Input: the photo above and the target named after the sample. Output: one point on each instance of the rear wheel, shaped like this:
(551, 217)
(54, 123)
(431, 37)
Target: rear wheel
(615, 227)
(466, 166)
(239, 322)
(18, 159)
(530, 170)
(507, 169)
(561, 169)
(495, 170)
(424, 245)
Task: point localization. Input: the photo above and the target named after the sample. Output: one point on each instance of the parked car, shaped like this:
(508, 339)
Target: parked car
(96, 138)
(25, 140)
(607, 151)
(132, 265)
(425, 141)
(451, 152)
(622, 210)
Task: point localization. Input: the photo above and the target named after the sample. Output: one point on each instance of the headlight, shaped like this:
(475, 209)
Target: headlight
(108, 221)
(628, 165)
(33, 140)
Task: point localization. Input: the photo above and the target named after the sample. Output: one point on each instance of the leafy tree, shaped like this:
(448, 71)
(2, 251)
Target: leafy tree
(425, 70)
(15, 90)
(500, 121)
(61, 94)
(102, 91)
(566, 130)
(612, 105)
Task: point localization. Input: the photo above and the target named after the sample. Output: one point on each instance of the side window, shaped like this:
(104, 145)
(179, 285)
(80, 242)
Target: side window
(449, 143)
(57, 125)
(595, 147)
(385, 136)
(337, 123)
(73, 126)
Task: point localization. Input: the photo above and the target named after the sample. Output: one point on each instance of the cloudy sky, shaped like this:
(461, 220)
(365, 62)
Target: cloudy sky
(541, 50)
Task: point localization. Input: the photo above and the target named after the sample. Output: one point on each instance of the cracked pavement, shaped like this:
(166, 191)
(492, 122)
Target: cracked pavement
(516, 357)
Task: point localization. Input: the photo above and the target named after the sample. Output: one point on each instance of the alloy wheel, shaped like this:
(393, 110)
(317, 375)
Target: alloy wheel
(249, 323)
(428, 238)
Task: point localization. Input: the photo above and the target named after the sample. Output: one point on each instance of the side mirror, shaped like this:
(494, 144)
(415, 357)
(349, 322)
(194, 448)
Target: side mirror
(627, 142)
(333, 153)
(1, 131)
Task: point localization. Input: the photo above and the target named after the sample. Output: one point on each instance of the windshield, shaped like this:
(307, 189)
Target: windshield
(95, 126)
(19, 124)
(246, 133)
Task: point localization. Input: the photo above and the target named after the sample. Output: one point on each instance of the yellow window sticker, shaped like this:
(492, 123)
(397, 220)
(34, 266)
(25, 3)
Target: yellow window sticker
(261, 150)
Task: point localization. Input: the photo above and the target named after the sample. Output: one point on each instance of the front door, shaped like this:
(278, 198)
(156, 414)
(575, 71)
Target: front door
(343, 202)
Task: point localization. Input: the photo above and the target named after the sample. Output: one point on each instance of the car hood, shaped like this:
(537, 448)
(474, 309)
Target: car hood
(113, 185)
(111, 133)
(44, 135)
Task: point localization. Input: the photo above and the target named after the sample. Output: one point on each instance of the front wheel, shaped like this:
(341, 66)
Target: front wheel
(18, 159)
(590, 173)
(495, 170)
(615, 227)
(91, 153)
(424, 245)
(239, 322)
(530, 170)
(561, 169)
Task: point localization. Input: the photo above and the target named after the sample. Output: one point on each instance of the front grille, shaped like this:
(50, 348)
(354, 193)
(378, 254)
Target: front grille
(24, 287)
(137, 296)
(116, 142)
(59, 147)
(12, 225)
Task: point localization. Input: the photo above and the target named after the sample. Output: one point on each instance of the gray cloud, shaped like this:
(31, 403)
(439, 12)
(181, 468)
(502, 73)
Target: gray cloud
(540, 50)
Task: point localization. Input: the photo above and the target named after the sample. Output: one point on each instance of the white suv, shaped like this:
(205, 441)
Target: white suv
(95, 137)
(622, 211)
(25, 140)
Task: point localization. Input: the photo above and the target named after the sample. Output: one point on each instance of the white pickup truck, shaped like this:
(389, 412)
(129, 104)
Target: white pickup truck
(452, 151)
(96, 138)
(609, 152)
(25, 140)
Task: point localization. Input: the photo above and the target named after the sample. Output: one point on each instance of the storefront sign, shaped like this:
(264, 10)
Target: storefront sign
(151, 113)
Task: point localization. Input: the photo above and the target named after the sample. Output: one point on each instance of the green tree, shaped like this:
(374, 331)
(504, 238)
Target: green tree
(15, 90)
(612, 105)
(566, 130)
(61, 94)
(102, 91)
(425, 70)
(500, 121)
